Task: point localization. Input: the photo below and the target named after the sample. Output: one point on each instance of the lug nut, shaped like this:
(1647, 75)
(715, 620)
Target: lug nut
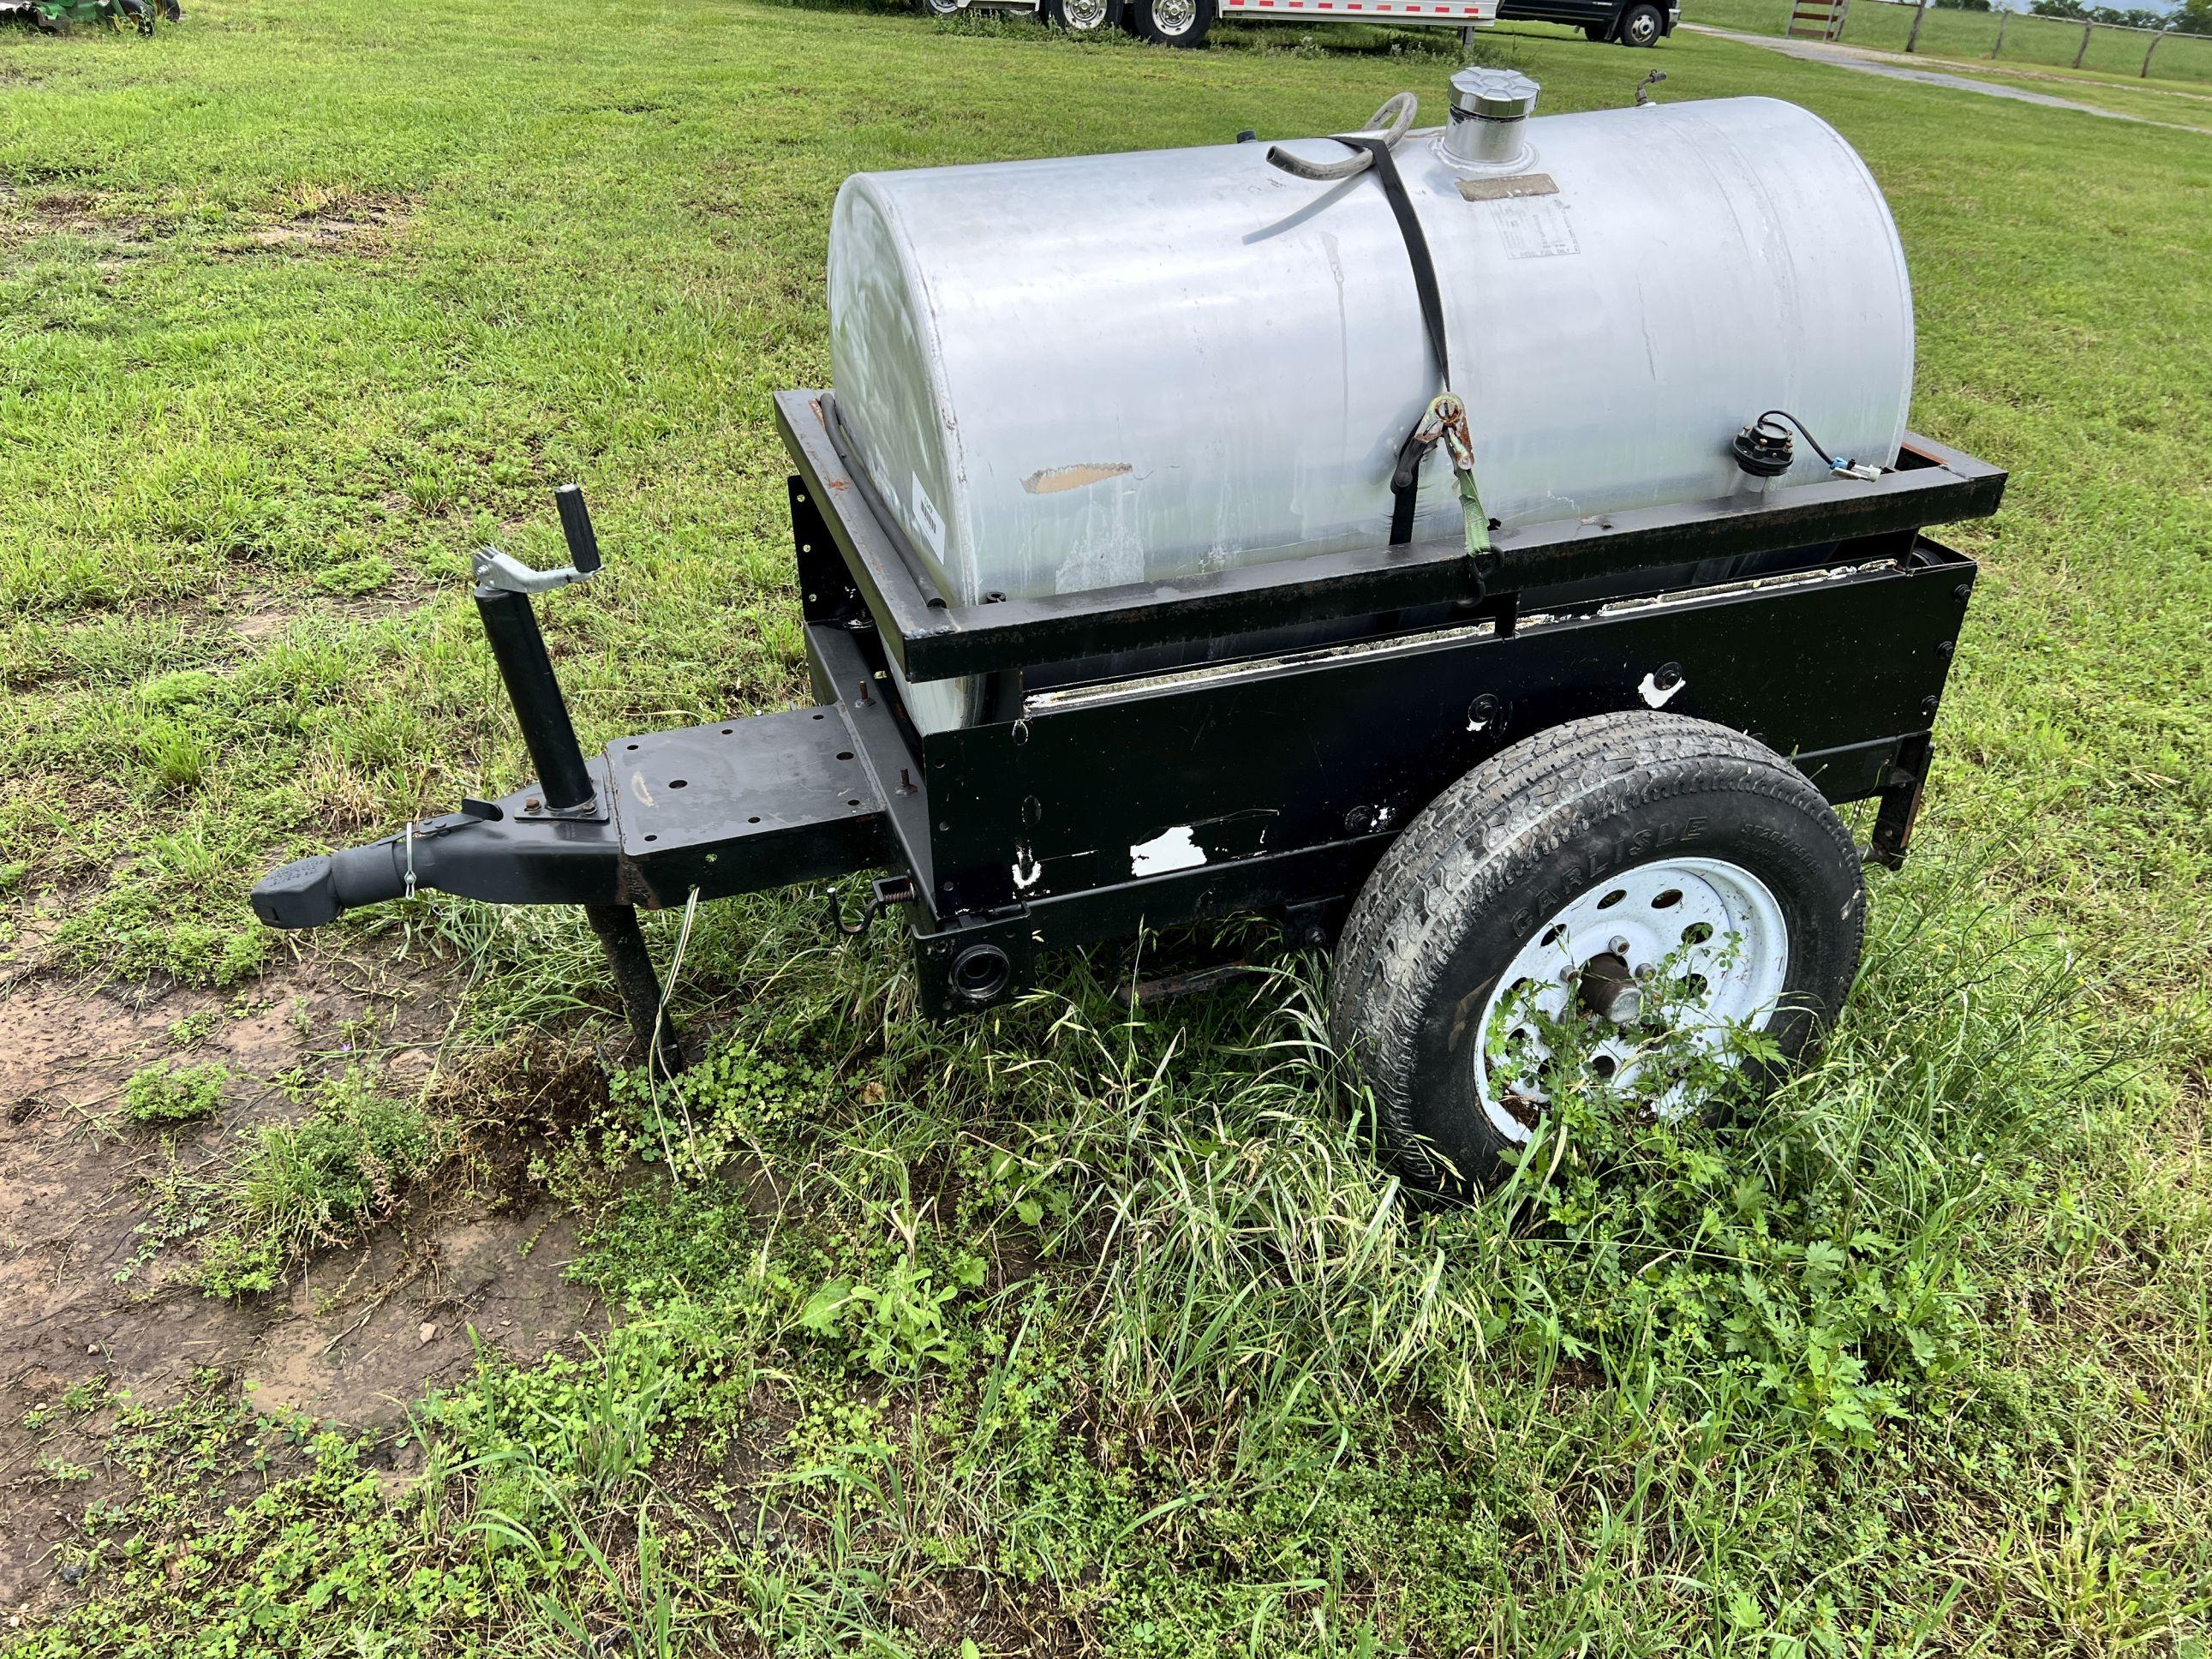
(1619, 946)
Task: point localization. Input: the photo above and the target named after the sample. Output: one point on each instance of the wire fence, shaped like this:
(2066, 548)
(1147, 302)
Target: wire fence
(2022, 38)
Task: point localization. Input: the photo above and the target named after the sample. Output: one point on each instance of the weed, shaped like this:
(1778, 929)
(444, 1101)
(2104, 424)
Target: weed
(193, 1028)
(164, 1094)
(355, 579)
(744, 1092)
(896, 1323)
(316, 1181)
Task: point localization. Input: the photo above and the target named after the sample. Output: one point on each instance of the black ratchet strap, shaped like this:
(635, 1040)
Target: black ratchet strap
(1405, 479)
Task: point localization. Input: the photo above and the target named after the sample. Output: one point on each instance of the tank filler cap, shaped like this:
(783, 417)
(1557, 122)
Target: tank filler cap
(1487, 134)
(1492, 94)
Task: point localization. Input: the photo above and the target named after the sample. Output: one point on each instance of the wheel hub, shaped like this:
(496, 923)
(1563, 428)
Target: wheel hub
(1608, 988)
(1631, 980)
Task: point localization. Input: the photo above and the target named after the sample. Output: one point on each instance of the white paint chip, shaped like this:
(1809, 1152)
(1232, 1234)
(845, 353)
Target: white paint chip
(1172, 849)
(1654, 697)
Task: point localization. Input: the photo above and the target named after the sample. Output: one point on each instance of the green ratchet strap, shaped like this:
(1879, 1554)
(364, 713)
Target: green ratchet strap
(1446, 419)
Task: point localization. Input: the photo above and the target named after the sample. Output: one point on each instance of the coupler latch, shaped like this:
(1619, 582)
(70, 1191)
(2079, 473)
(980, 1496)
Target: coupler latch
(884, 892)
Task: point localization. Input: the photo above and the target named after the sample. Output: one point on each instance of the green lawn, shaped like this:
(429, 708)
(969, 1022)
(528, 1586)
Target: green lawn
(1886, 25)
(2152, 103)
(1059, 1331)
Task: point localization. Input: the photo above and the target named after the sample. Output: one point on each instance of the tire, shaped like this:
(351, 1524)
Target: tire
(1607, 831)
(1171, 22)
(943, 8)
(1084, 16)
(1643, 25)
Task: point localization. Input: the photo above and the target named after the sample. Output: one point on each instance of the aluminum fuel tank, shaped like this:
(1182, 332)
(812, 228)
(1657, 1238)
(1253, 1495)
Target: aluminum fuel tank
(1072, 374)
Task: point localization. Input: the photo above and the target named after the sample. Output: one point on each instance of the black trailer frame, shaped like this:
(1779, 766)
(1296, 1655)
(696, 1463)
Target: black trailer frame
(1249, 741)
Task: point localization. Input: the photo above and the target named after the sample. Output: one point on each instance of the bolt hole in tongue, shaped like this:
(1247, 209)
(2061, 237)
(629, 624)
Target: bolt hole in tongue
(1637, 988)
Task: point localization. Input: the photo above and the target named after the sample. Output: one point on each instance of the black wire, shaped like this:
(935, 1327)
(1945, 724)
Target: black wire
(1763, 425)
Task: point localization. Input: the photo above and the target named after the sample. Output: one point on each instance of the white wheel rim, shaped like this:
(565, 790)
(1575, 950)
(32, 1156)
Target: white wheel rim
(1174, 17)
(1641, 28)
(1083, 15)
(1728, 980)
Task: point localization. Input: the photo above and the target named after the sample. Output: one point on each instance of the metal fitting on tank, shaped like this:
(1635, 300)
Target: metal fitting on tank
(1488, 107)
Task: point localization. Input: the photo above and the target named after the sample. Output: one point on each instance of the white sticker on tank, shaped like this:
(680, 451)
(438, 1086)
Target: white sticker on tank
(925, 520)
(1535, 228)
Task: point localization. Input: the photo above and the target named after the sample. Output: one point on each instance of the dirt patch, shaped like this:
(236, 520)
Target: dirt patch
(116, 238)
(317, 224)
(255, 626)
(351, 224)
(253, 620)
(92, 1212)
(369, 1331)
(362, 1333)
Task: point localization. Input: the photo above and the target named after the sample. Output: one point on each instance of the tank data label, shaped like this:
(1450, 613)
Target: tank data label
(1535, 228)
(1507, 188)
(925, 520)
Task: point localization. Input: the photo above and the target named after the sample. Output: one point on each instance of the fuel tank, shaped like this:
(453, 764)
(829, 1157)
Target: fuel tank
(1083, 372)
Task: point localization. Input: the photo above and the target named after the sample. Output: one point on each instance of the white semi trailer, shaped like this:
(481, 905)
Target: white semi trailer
(1186, 22)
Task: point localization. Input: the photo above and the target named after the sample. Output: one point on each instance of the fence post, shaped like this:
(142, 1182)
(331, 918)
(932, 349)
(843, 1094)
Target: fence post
(2082, 50)
(2144, 75)
(2004, 16)
(1919, 16)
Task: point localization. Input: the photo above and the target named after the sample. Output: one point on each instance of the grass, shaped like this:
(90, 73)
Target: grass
(2051, 42)
(2154, 103)
(167, 1094)
(319, 1180)
(1062, 1331)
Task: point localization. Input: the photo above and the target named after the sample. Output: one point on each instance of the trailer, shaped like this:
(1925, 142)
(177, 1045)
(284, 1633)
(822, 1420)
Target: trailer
(1186, 22)
(1558, 792)
(1270, 782)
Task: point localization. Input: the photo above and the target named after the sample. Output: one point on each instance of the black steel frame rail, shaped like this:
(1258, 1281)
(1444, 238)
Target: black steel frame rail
(930, 637)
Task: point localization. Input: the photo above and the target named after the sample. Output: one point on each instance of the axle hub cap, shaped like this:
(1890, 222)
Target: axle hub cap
(1648, 970)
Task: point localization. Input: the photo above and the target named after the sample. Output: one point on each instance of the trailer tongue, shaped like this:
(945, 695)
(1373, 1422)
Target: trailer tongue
(1572, 746)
